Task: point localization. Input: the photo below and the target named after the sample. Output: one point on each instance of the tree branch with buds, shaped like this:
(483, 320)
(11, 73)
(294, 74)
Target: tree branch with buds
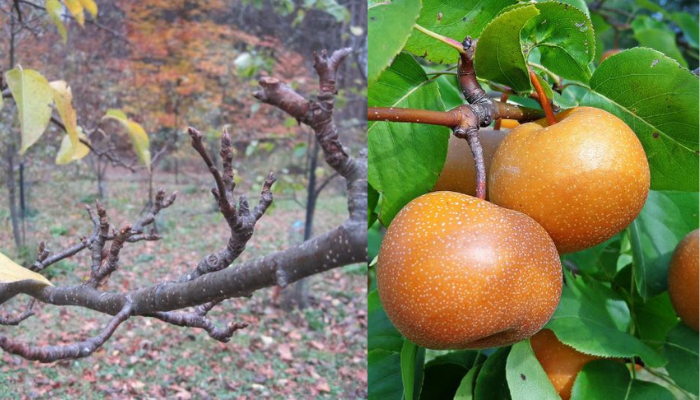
(216, 276)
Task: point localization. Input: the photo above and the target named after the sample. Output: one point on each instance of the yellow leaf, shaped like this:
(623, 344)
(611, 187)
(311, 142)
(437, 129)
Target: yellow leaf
(90, 6)
(34, 97)
(10, 271)
(63, 97)
(54, 9)
(76, 8)
(138, 135)
(66, 153)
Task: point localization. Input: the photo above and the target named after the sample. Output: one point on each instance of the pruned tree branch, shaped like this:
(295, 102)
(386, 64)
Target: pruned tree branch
(214, 278)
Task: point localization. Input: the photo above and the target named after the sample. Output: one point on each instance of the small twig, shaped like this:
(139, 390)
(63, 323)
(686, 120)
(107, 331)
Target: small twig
(14, 321)
(198, 319)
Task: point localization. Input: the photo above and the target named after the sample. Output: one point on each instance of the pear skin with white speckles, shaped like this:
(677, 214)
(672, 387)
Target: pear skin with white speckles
(583, 179)
(459, 172)
(560, 362)
(457, 272)
(683, 273)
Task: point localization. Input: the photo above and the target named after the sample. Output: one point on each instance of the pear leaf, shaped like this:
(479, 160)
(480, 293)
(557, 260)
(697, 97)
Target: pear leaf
(10, 272)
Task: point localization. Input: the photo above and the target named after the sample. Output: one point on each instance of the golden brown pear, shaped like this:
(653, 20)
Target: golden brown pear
(561, 362)
(509, 123)
(459, 173)
(683, 279)
(457, 272)
(583, 179)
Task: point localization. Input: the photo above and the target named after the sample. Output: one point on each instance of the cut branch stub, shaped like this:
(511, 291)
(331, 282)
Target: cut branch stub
(282, 96)
(327, 68)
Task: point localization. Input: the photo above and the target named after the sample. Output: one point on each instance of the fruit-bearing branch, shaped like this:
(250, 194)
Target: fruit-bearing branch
(216, 277)
(464, 120)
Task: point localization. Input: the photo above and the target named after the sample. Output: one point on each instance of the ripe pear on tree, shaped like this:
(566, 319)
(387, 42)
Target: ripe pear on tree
(584, 179)
(560, 362)
(457, 272)
(683, 279)
(459, 172)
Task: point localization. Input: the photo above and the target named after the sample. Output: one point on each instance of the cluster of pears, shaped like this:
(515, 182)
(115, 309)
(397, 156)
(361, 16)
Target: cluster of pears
(458, 272)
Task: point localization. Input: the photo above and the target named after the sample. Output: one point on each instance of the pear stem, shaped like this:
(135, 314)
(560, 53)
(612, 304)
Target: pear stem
(544, 101)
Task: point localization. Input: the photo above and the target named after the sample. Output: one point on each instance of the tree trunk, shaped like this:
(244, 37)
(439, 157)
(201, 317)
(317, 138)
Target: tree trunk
(12, 196)
(297, 294)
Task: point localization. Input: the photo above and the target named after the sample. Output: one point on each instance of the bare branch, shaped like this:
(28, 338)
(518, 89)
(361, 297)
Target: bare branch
(13, 321)
(72, 351)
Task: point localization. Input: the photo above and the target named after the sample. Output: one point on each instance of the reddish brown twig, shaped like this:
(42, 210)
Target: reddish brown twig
(544, 101)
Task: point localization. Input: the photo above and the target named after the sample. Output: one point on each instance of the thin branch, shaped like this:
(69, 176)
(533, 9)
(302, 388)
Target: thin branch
(71, 351)
(13, 321)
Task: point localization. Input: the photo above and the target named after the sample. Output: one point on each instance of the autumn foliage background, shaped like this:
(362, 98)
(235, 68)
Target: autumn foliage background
(168, 65)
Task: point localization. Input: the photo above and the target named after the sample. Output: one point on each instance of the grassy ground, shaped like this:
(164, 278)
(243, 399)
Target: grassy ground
(315, 353)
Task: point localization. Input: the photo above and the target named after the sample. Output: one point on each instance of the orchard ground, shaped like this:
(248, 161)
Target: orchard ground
(319, 352)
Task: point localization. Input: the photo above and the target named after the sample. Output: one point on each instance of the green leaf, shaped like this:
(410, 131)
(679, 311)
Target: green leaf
(659, 100)
(499, 55)
(455, 19)
(681, 348)
(388, 27)
(665, 219)
(603, 33)
(443, 374)
(465, 391)
(381, 333)
(658, 36)
(610, 380)
(372, 200)
(383, 375)
(593, 319)
(651, 6)
(138, 135)
(599, 261)
(689, 25)
(449, 92)
(654, 319)
(491, 384)
(55, 9)
(34, 97)
(580, 4)
(526, 377)
(404, 159)
(412, 358)
(565, 39)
